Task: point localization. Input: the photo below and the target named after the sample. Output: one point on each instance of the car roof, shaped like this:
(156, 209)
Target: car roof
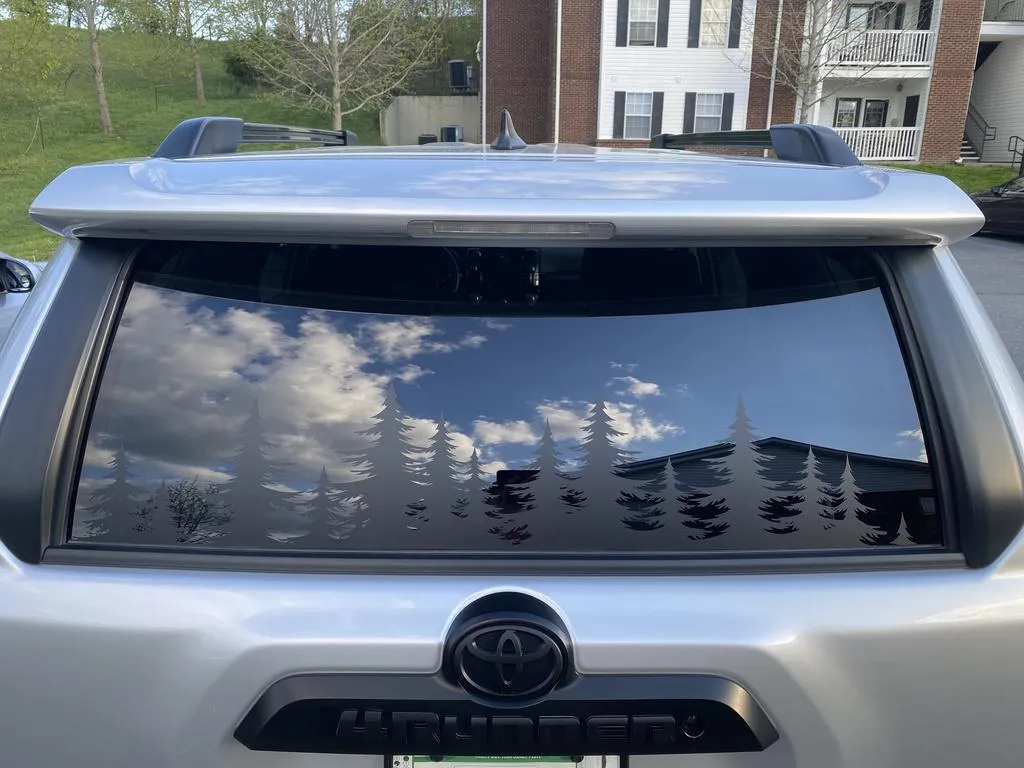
(634, 195)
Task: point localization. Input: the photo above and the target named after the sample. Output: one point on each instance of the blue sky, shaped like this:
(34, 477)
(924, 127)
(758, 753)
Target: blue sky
(185, 369)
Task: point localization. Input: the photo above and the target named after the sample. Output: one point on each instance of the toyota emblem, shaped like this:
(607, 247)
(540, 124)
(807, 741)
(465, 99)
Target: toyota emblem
(512, 660)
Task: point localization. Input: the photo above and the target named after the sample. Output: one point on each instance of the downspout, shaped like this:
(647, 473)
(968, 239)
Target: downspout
(775, 64)
(483, 75)
(558, 70)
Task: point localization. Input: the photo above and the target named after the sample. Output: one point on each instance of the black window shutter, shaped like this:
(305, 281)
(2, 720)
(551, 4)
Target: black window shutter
(657, 107)
(662, 41)
(735, 23)
(689, 108)
(924, 14)
(727, 99)
(619, 121)
(693, 36)
(622, 25)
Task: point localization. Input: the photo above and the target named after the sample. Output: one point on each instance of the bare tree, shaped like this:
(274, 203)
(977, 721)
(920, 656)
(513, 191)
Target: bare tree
(341, 56)
(93, 13)
(819, 40)
(190, 13)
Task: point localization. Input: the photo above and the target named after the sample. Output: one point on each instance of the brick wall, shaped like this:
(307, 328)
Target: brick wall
(956, 50)
(520, 66)
(763, 43)
(581, 70)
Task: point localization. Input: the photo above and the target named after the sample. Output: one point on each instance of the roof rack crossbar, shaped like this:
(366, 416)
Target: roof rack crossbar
(223, 135)
(796, 143)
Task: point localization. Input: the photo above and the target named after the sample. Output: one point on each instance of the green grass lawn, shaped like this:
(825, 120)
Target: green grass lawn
(970, 178)
(150, 89)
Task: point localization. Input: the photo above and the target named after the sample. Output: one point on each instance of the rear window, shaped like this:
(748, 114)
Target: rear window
(357, 399)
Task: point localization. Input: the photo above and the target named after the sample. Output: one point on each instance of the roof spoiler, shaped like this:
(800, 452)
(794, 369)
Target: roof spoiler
(795, 143)
(223, 135)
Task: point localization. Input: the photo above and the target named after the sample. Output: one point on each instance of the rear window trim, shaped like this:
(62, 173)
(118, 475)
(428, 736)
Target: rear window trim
(61, 550)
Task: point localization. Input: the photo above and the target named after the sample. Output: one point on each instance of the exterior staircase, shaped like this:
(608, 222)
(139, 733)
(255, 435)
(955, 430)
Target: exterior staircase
(968, 154)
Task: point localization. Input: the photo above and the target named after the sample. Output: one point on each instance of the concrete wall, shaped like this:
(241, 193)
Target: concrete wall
(999, 97)
(409, 116)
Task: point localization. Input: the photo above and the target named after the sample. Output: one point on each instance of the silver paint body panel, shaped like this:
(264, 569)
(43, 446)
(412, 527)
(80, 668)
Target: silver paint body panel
(128, 667)
(330, 195)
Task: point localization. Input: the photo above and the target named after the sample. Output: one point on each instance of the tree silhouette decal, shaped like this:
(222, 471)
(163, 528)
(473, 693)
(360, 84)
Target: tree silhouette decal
(548, 494)
(851, 530)
(387, 476)
(117, 509)
(599, 485)
(195, 513)
(743, 489)
(255, 507)
(903, 537)
(471, 488)
(655, 500)
(813, 492)
(438, 476)
(330, 519)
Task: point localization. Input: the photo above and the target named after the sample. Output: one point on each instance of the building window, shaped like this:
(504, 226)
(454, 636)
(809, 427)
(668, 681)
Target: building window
(847, 113)
(643, 22)
(714, 23)
(707, 116)
(637, 123)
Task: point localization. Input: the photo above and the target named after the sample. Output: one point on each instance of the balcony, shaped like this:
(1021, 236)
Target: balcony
(883, 47)
(882, 143)
(1004, 10)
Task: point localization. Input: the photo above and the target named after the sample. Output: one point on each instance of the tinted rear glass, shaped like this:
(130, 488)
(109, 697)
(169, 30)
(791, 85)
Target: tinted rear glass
(379, 399)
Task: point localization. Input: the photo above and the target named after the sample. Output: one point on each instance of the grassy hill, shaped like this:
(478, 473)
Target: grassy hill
(150, 89)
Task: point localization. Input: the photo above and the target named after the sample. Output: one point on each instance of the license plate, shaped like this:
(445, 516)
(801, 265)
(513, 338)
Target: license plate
(541, 761)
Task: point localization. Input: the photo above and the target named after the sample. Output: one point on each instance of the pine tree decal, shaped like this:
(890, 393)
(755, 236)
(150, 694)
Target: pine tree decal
(903, 535)
(852, 530)
(656, 501)
(548, 494)
(599, 485)
(255, 507)
(472, 487)
(329, 518)
(744, 491)
(812, 491)
(386, 483)
(117, 510)
(440, 492)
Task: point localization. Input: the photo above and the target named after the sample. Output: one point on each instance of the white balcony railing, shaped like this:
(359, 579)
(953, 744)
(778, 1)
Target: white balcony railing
(1004, 10)
(882, 143)
(882, 47)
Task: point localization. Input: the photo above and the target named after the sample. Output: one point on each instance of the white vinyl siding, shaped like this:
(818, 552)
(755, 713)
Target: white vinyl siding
(997, 96)
(674, 69)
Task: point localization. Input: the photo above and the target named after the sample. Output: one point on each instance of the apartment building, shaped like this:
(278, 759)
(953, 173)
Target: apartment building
(894, 78)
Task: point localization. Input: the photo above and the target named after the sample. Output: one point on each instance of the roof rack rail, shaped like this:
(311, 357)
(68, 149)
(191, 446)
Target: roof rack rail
(796, 143)
(223, 135)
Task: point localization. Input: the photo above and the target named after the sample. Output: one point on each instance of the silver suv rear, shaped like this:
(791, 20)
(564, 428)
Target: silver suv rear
(365, 456)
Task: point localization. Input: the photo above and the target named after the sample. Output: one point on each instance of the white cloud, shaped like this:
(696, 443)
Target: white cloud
(408, 337)
(628, 367)
(495, 324)
(491, 468)
(504, 433)
(568, 418)
(914, 435)
(636, 387)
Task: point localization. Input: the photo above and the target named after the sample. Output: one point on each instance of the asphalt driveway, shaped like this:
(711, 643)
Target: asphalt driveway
(995, 268)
